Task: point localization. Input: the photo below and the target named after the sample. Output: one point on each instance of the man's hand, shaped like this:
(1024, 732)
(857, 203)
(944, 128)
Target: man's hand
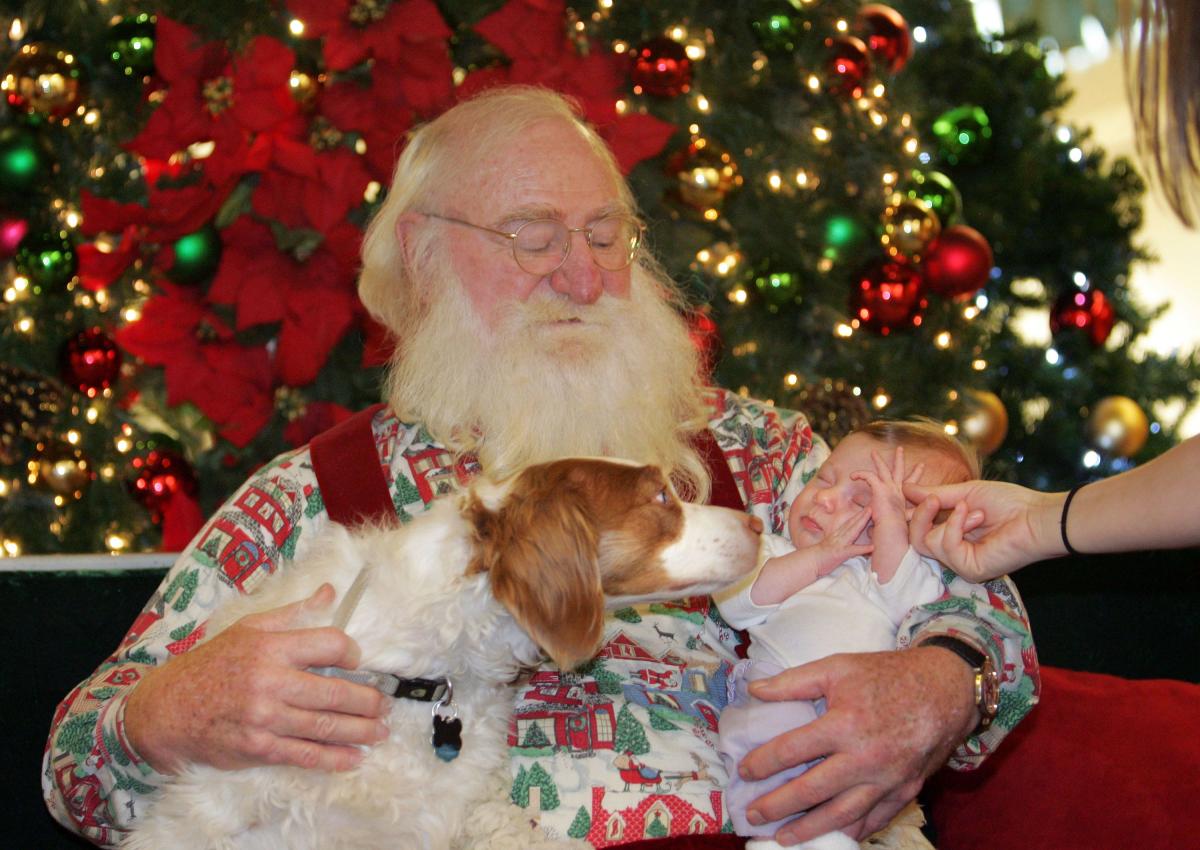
(892, 719)
(244, 698)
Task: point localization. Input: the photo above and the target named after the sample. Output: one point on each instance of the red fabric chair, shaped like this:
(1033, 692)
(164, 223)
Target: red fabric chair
(1102, 762)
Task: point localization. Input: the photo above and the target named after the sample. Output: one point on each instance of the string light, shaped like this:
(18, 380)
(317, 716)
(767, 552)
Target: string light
(821, 134)
(979, 365)
(791, 379)
(702, 104)
(738, 295)
(296, 27)
(843, 330)
(880, 400)
(942, 340)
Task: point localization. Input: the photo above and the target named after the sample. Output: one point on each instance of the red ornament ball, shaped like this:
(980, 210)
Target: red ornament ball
(887, 297)
(90, 361)
(661, 67)
(1085, 310)
(958, 262)
(706, 337)
(12, 231)
(159, 475)
(886, 33)
(847, 65)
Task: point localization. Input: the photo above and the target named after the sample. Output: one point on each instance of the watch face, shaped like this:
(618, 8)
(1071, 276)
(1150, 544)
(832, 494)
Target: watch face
(989, 702)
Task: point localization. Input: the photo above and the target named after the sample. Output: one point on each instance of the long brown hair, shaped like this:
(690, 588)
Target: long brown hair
(1162, 78)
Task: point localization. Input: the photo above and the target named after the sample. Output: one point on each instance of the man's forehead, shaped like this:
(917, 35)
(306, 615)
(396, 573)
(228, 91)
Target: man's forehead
(552, 173)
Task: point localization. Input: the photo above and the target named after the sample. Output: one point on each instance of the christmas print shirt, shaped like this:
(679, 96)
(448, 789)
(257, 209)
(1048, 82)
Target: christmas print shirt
(622, 749)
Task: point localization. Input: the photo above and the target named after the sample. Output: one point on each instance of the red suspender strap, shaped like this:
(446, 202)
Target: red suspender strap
(725, 492)
(346, 464)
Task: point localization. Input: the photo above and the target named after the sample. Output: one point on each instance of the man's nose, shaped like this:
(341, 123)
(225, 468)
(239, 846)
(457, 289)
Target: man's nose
(578, 277)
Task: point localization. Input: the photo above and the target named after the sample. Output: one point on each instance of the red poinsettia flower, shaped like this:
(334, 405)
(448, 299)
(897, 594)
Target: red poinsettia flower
(306, 188)
(531, 34)
(313, 301)
(354, 30)
(318, 416)
(203, 364)
(208, 95)
(379, 113)
(99, 268)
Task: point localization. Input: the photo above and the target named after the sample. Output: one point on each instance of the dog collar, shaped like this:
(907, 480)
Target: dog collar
(447, 728)
(421, 690)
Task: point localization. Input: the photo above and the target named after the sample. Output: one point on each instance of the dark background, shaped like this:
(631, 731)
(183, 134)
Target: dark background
(1131, 615)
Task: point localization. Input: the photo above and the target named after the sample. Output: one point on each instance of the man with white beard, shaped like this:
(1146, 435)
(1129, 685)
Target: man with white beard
(531, 324)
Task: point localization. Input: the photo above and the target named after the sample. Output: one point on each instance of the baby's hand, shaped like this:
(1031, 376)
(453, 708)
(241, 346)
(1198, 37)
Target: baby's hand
(889, 510)
(838, 545)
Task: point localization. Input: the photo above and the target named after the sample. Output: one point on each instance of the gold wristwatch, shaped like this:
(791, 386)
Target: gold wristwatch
(987, 682)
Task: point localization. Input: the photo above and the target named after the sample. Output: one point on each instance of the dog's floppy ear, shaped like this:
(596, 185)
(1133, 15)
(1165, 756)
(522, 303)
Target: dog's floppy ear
(540, 553)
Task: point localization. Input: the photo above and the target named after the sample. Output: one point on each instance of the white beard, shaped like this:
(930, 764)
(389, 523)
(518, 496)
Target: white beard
(617, 378)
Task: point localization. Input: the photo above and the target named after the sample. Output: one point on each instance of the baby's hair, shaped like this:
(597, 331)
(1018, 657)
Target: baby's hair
(922, 432)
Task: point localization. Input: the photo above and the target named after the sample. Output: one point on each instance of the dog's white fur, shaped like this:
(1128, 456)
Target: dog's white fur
(429, 611)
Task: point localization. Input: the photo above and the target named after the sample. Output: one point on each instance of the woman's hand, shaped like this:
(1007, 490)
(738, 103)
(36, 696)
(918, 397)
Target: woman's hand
(993, 529)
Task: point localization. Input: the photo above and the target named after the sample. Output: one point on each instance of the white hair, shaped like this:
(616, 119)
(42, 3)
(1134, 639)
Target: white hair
(627, 383)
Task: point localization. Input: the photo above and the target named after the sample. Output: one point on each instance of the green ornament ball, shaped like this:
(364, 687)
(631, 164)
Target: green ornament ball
(24, 159)
(48, 259)
(776, 33)
(964, 134)
(935, 189)
(778, 288)
(843, 236)
(197, 256)
(131, 44)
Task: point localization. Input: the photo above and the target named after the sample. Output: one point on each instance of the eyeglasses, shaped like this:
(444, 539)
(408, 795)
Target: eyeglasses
(541, 246)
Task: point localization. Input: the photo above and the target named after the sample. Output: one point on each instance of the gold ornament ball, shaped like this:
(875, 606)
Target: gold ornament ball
(909, 225)
(43, 79)
(984, 421)
(1118, 426)
(304, 88)
(705, 174)
(62, 469)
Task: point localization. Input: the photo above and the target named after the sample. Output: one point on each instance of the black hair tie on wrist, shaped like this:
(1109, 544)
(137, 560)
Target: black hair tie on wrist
(1062, 523)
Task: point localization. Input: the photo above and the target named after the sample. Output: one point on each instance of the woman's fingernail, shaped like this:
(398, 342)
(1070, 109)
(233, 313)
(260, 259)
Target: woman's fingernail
(754, 816)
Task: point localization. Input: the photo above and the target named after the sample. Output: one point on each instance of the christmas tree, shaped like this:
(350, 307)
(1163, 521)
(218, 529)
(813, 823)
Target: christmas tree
(864, 203)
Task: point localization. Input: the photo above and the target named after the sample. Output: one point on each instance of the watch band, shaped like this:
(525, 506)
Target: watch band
(959, 647)
(987, 683)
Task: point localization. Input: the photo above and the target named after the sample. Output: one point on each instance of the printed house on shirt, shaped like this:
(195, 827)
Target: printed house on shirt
(569, 711)
(654, 815)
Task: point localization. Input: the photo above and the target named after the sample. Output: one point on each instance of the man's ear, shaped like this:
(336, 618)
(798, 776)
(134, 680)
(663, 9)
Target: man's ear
(406, 222)
(541, 558)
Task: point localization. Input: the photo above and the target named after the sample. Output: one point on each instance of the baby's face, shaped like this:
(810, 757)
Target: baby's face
(831, 497)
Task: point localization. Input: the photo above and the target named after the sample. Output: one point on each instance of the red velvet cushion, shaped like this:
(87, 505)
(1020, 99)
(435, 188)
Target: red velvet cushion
(1101, 763)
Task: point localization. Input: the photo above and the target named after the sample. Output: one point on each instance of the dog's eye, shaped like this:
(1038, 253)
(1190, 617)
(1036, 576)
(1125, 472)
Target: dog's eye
(662, 497)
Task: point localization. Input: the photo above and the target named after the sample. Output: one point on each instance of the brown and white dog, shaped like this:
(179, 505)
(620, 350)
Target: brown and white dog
(473, 590)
